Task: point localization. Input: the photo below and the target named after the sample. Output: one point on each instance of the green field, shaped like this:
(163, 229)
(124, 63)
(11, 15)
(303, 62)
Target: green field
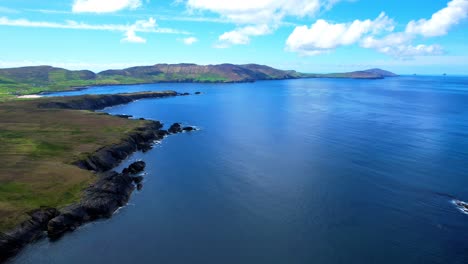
(38, 147)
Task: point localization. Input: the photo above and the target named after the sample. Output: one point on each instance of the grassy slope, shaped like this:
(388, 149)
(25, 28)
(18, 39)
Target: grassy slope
(30, 80)
(37, 149)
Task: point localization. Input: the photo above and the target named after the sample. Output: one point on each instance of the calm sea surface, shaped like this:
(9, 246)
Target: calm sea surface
(295, 171)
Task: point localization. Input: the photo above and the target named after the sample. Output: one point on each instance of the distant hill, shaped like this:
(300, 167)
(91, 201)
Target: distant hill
(382, 73)
(366, 74)
(199, 73)
(35, 79)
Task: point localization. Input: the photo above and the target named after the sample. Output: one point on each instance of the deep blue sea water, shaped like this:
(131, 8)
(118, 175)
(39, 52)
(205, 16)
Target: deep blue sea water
(294, 171)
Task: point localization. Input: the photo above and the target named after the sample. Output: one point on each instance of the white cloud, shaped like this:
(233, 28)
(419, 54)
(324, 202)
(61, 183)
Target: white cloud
(399, 45)
(139, 25)
(148, 26)
(104, 6)
(256, 17)
(241, 36)
(131, 37)
(441, 21)
(189, 40)
(323, 37)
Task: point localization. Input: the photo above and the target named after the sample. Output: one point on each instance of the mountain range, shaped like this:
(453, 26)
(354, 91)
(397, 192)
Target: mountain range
(36, 79)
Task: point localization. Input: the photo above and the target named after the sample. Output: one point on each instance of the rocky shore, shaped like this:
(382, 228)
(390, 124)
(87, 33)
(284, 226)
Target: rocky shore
(109, 192)
(100, 200)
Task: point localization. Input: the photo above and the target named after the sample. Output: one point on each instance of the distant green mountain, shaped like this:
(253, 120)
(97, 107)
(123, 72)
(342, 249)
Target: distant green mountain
(35, 79)
(366, 74)
(198, 73)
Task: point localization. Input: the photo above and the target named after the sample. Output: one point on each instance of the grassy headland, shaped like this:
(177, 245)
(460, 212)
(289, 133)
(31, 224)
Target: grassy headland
(39, 146)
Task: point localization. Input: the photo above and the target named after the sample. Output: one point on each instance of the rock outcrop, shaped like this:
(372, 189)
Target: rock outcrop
(30, 230)
(109, 157)
(175, 128)
(100, 200)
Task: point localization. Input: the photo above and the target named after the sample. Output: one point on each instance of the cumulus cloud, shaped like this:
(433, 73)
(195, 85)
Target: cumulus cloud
(189, 40)
(256, 18)
(131, 37)
(441, 21)
(139, 25)
(322, 36)
(399, 45)
(103, 6)
(130, 31)
(241, 36)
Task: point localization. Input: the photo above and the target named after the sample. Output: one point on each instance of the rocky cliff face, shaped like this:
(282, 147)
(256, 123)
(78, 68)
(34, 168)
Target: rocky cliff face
(100, 200)
(29, 231)
(109, 157)
(111, 189)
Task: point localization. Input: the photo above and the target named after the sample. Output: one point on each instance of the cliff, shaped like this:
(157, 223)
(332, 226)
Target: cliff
(58, 152)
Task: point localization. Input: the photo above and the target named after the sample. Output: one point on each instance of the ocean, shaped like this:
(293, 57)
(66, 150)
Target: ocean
(292, 171)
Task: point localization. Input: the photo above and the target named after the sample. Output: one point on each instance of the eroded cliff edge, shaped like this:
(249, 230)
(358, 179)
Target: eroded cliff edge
(110, 190)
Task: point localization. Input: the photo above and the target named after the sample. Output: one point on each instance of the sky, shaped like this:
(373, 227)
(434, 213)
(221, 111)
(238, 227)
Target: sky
(316, 36)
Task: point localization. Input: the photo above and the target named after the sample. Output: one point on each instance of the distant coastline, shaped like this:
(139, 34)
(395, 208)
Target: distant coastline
(21, 81)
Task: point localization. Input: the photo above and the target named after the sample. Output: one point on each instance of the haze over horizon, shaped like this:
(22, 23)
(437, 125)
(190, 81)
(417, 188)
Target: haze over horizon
(317, 36)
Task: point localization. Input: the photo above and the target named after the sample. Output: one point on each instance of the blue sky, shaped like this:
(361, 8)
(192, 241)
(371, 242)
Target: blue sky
(411, 36)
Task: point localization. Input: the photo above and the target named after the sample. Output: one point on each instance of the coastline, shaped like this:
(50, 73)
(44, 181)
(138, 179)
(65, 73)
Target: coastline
(79, 88)
(110, 190)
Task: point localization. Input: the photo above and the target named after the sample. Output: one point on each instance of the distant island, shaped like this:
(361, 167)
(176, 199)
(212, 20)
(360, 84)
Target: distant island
(37, 79)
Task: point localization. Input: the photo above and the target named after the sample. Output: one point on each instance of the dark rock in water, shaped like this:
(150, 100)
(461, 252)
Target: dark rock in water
(162, 133)
(30, 230)
(188, 129)
(139, 186)
(462, 206)
(184, 94)
(136, 167)
(197, 93)
(138, 179)
(175, 128)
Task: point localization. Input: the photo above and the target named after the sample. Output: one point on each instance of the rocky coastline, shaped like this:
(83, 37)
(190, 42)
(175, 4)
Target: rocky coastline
(110, 191)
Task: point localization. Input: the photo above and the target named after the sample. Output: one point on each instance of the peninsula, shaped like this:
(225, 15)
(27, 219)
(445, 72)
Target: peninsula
(56, 155)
